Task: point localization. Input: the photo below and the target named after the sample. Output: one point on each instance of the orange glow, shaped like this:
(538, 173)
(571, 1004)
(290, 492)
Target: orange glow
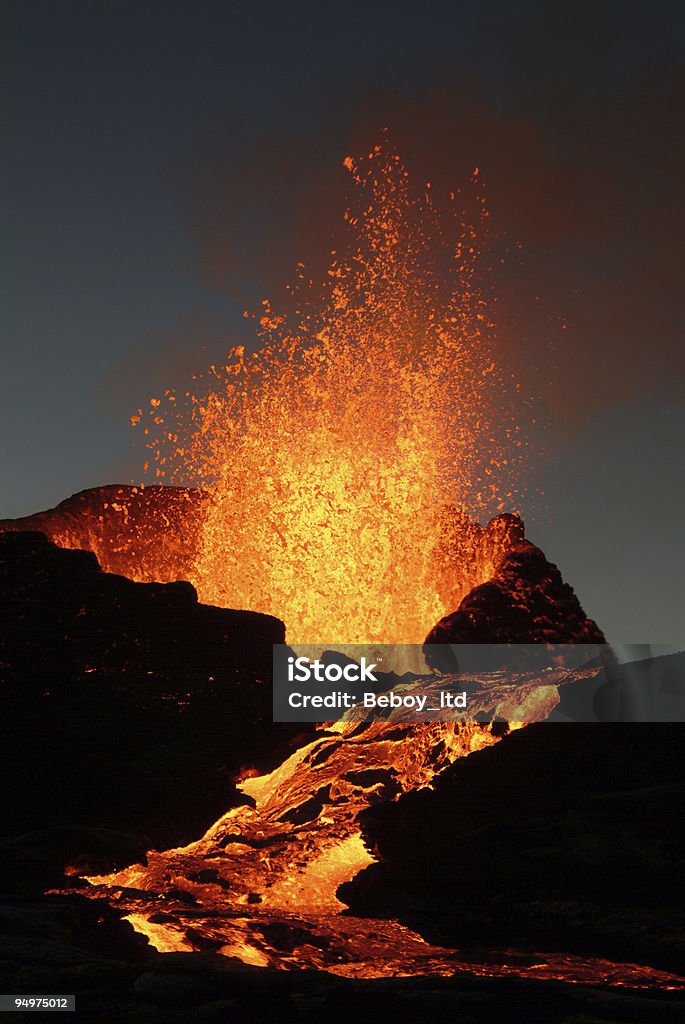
(267, 872)
(335, 451)
(341, 465)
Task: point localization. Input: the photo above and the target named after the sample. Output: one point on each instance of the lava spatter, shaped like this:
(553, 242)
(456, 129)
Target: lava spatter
(332, 451)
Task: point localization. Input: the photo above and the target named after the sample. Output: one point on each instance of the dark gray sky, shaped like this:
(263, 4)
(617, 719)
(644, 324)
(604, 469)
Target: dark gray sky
(167, 164)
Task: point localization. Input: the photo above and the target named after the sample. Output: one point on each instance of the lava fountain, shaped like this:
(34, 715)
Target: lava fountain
(332, 452)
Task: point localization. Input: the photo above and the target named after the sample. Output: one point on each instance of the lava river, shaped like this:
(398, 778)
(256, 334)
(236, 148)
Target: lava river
(260, 885)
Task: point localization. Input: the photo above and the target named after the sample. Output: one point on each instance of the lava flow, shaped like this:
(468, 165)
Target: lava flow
(332, 453)
(282, 857)
(260, 886)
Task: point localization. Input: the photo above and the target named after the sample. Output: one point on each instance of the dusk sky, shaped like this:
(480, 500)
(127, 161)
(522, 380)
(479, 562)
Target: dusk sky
(166, 165)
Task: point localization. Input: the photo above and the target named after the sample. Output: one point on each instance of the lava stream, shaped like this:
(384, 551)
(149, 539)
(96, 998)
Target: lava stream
(261, 884)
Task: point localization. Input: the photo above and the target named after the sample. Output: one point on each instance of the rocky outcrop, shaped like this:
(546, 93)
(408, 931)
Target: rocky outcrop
(468, 554)
(560, 837)
(126, 706)
(524, 601)
(150, 534)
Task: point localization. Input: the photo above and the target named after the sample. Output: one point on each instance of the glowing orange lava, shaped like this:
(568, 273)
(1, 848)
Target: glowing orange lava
(333, 451)
(271, 870)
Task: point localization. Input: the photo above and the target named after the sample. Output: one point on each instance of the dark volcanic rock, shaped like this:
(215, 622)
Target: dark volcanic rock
(561, 837)
(65, 929)
(36, 861)
(126, 706)
(190, 979)
(526, 601)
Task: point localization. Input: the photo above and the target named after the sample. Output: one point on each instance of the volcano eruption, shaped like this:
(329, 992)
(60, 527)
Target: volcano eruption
(325, 488)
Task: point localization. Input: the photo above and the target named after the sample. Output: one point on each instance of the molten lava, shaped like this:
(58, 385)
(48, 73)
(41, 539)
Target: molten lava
(261, 884)
(334, 452)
